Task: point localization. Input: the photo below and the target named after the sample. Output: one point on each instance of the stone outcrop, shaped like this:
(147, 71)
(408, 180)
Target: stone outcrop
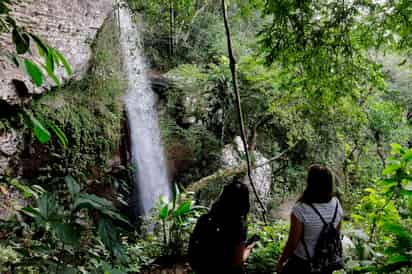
(233, 156)
(69, 26)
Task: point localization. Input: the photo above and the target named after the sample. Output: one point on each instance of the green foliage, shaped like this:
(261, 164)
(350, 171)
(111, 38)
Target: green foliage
(168, 228)
(387, 211)
(65, 231)
(177, 219)
(8, 256)
(87, 116)
(41, 133)
(50, 59)
(265, 255)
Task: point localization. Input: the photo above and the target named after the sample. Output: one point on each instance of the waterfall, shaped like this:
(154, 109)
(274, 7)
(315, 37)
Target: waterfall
(150, 174)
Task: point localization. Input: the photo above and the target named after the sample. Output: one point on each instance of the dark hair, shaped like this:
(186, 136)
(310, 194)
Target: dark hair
(233, 202)
(319, 188)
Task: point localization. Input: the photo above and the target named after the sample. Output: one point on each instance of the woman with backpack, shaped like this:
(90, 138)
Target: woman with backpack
(218, 243)
(314, 244)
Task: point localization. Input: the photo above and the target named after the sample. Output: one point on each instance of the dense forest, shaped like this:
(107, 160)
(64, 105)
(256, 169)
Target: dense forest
(260, 89)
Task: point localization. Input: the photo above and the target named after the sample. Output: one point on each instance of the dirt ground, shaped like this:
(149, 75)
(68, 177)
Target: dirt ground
(285, 209)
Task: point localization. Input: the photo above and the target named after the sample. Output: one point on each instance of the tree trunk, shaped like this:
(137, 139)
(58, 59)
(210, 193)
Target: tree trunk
(379, 149)
(239, 110)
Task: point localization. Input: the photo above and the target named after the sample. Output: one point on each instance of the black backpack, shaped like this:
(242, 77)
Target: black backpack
(328, 250)
(201, 243)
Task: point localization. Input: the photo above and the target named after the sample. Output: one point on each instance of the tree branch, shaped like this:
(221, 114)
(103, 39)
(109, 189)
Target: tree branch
(227, 172)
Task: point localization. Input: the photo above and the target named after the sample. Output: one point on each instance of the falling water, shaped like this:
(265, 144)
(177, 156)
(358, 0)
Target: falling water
(150, 177)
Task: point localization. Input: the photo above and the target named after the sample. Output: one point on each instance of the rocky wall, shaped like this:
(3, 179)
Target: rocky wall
(70, 27)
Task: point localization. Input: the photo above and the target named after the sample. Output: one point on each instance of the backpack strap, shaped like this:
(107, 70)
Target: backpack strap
(318, 213)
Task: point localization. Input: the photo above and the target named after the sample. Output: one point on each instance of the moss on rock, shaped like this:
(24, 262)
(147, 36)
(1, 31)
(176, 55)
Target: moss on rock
(89, 111)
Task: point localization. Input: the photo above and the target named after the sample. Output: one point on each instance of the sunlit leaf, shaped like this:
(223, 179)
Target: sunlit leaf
(391, 168)
(40, 131)
(397, 148)
(164, 212)
(34, 72)
(183, 209)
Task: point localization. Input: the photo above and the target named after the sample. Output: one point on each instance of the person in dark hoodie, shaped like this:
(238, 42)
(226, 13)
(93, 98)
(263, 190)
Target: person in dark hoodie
(218, 243)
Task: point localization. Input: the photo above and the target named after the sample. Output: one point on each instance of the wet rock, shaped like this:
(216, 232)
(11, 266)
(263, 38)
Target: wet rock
(58, 23)
(4, 164)
(11, 201)
(9, 142)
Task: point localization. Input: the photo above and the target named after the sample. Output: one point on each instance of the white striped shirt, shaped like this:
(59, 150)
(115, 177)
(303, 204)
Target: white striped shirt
(312, 224)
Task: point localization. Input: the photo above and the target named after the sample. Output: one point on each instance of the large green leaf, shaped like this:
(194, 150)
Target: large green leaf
(40, 131)
(34, 72)
(407, 156)
(110, 238)
(21, 41)
(72, 185)
(68, 233)
(392, 167)
(163, 213)
(48, 206)
(183, 209)
(397, 148)
(50, 61)
(91, 201)
(104, 206)
(398, 259)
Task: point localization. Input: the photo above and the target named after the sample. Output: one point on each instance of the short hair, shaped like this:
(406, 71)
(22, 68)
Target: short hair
(319, 185)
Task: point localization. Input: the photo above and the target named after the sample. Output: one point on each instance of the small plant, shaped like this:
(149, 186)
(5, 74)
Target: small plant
(177, 219)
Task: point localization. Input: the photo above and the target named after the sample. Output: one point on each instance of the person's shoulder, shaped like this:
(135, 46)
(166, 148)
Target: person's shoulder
(297, 206)
(298, 210)
(335, 200)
